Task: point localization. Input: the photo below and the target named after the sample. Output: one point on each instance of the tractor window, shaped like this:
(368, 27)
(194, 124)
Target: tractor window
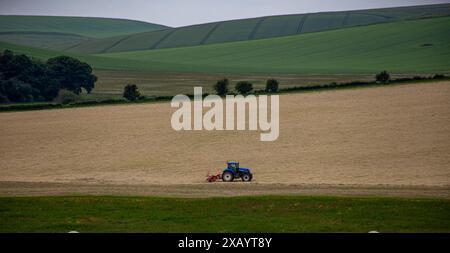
(232, 166)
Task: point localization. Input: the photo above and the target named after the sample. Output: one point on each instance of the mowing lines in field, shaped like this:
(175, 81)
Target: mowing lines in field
(301, 23)
(345, 20)
(258, 24)
(72, 46)
(210, 33)
(106, 49)
(379, 15)
(155, 46)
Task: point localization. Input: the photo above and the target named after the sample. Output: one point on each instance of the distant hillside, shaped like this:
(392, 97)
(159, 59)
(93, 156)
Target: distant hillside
(83, 26)
(256, 28)
(418, 46)
(62, 32)
(401, 47)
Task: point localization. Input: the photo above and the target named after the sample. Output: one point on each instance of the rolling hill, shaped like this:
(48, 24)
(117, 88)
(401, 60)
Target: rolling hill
(83, 26)
(50, 40)
(98, 62)
(415, 46)
(62, 32)
(256, 28)
(408, 46)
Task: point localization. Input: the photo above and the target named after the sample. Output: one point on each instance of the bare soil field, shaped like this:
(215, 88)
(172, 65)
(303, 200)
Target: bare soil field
(371, 141)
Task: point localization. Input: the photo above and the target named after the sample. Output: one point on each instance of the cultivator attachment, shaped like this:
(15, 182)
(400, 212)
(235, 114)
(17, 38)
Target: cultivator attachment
(213, 178)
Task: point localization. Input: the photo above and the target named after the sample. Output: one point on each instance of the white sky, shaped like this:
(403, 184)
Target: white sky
(187, 12)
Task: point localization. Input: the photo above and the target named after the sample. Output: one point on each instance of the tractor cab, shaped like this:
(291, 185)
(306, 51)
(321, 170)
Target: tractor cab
(232, 165)
(233, 171)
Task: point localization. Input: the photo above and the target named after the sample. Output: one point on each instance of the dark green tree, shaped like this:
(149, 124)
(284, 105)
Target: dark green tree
(3, 99)
(131, 92)
(14, 65)
(5, 57)
(383, 77)
(21, 76)
(72, 74)
(16, 91)
(221, 87)
(272, 85)
(244, 87)
(41, 79)
(29, 71)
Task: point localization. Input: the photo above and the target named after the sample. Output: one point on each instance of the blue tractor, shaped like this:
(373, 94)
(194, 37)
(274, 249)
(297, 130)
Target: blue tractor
(233, 171)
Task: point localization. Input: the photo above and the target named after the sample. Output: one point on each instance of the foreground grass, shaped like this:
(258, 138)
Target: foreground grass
(238, 214)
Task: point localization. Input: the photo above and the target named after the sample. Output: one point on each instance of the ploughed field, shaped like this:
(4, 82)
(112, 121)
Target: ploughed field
(390, 136)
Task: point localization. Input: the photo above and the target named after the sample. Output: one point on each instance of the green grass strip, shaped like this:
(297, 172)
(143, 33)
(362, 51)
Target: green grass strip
(236, 214)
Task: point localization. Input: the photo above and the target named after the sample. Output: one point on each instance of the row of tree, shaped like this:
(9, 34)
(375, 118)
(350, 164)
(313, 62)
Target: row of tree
(272, 85)
(131, 91)
(243, 87)
(24, 79)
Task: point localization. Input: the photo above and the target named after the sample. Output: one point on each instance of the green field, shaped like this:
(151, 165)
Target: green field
(83, 26)
(61, 33)
(419, 46)
(257, 28)
(47, 40)
(399, 43)
(237, 214)
(298, 50)
(97, 62)
(410, 46)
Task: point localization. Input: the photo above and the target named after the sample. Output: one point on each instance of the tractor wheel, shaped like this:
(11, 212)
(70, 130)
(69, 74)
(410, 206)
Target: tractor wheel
(227, 177)
(246, 177)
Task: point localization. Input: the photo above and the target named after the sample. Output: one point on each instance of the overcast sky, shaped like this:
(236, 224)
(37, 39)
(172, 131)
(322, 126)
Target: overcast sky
(187, 12)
